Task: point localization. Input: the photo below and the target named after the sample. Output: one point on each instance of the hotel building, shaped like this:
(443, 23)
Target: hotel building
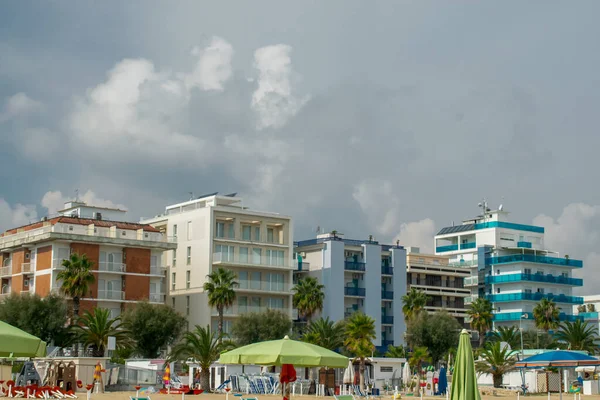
(359, 275)
(510, 266)
(215, 231)
(126, 257)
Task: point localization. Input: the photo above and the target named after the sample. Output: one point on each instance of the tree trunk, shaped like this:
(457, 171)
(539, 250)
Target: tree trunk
(497, 380)
(481, 338)
(205, 379)
(361, 371)
(76, 307)
(220, 324)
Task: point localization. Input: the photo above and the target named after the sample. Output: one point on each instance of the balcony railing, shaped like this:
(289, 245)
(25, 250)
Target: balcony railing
(533, 278)
(469, 245)
(523, 296)
(4, 295)
(593, 315)
(471, 299)
(386, 343)
(27, 268)
(354, 291)
(387, 271)
(450, 247)
(515, 316)
(111, 295)
(533, 259)
(471, 281)
(525, 245)
(354, 266)
(387, 295)
(266, 286)
(463, 263)
(157, 297)
(106, 266)
(5, 271)
(237, 309)
(387, 319)
(158, 270)
(301, 266)
(262, 261)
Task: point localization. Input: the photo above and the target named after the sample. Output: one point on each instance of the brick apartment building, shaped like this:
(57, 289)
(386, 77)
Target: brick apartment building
(126, 256)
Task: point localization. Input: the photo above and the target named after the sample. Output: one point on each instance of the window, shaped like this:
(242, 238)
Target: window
(275, 257)
(256, 256)
(187, 305)
(255, 281)
(527, 290)
(223, 253)
(220, 229)
(257, 233)
(386, 369)
(498, 290)
(173, 281)
(246, 229)
(173, 302)
(189, 255)
(255, 304)
(243, 254)
(270, 236)
(27, 256)
(230, 231)
(243, 279)
(242, 304)
(527, 271)
(174, 233)
(275, 281)
(540, 271)
(275, 303)
(541, 290)
(189, 230)
(187, 279)
(174, 258)
(498, 309)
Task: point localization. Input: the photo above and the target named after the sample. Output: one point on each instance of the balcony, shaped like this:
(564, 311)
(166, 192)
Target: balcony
(387, 271)
(525, 245)
(354, 291)
(387, 320)
(354, 266)
(5, 294)
(251, 261)
(471, 299)
(533, 278)
(515, 316)
(5, 272)
(27, 268)
(112, 267)
(509, 225)
(263, 286)
(111, 295)
(158, 270)
(386, 343)
(157, 298)
(565, 262)
(469, 245)
(237, 309)
(387, 295)
(523, 296)
(463, 263)
(302, 266)
(589, 316)
(450, 247)
(471, 281)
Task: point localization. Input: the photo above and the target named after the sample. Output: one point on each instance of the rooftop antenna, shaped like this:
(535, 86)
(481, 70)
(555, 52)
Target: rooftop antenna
(191, 195)
(484, 208)
(76, 195)
(318, 229)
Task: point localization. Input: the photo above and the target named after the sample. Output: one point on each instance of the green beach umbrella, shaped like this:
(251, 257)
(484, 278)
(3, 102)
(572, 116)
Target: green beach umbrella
(284, 351)
(17, 343)
(464, 378)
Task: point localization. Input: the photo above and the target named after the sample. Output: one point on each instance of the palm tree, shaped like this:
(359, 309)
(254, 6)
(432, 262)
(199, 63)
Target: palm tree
(419, 356)
(360, 333)
(508, 334)
(76, 278)
(413, 302)
(546, 315)
(221, 293)
(202, 346)
(496, 360)
(396, 352)
(308, 297)
(578, 335)
(325, 333)
(481, 317)
(94, 329)
(535, 339)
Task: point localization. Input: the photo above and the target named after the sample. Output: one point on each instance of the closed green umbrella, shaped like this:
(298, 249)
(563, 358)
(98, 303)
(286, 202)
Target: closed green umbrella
(284, 351)
(17, 343)
(464, 378)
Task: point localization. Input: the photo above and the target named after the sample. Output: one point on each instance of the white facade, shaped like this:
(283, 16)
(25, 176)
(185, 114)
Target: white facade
(510, 266)
(589, 310)
(217, 231)
(359, 275)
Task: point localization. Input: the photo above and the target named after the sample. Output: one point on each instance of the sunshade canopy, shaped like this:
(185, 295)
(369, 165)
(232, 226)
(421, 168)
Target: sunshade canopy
(464, 378)
(284, 351)
(17, 343)
(558, 358)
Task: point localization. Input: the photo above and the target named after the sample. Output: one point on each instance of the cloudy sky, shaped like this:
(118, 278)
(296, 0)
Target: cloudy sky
(384, 118)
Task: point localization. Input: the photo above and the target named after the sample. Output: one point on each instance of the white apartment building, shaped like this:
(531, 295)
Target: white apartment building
(359, 275)
(588, 311)
(510, 266)
(215, 231)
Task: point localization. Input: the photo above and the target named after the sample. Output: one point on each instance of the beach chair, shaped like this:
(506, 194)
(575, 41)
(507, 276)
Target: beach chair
(139, 398)
(223, 386)
(358, 392)
(344, 397)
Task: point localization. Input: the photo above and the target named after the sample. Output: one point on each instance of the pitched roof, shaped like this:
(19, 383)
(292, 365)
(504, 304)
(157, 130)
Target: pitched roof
(84, 221)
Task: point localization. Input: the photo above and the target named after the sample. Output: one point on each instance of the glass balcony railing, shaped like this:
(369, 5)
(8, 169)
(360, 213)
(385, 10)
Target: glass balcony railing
(525, 245)
(450, 247)
(515, 316)
(470, 245)
(567, 262)
(354, 266)
(523, 296)
(354, 291)
(471, 281)
(533, 278)
(387, 271)
(387, 295)
(509, 225)
(387, 319)
(589, 315)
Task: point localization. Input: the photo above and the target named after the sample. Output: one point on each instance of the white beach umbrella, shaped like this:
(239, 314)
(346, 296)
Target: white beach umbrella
(406, 374)
(349, 374)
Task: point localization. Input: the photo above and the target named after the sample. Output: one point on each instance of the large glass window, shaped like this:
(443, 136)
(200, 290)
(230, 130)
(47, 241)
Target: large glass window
(173, 281)
(243, 279)
(220, 230)
(276, 303)
(224, 253)
(276, 282)
(230, 232)
(255, 281)
(242, 304)
(189, 230)
(270, 235)
(246, 229)
(243, 254)
(256, 256)
(257, 233)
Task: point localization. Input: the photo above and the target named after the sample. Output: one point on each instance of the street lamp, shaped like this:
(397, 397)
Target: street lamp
(522, 317)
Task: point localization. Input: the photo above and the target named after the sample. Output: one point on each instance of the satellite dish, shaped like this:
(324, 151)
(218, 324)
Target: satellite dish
(501, 207)
(505, 345)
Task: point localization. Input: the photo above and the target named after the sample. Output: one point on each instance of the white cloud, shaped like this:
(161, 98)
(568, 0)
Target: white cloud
(379, 203)
(213, 68)
(15, 216)
(273, 100)
(55, 200)
(19, 105)
(417, 234)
